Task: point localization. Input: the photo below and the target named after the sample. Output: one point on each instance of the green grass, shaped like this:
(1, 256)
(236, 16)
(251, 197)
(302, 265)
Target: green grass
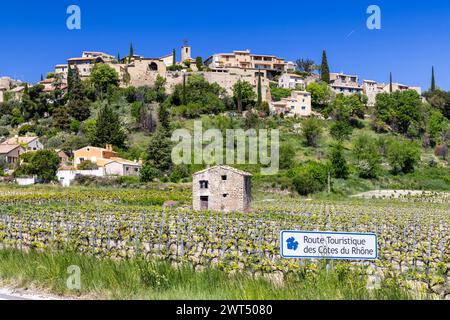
(139, 279)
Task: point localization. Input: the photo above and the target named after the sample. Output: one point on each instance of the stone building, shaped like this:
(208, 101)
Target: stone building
(221, 188)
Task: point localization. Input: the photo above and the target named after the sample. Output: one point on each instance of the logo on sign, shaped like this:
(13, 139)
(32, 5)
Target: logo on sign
(292, 244)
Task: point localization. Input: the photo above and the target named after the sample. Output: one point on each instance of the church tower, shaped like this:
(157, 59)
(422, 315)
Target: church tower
(185, 52)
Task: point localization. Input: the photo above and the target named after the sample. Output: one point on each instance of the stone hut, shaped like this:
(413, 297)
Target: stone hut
(221, 188)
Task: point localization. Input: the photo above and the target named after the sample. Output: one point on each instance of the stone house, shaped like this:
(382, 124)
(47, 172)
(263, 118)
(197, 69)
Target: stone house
(221, 188)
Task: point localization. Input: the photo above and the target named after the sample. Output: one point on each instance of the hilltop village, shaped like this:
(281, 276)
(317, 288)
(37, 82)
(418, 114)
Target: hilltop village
(99, 115)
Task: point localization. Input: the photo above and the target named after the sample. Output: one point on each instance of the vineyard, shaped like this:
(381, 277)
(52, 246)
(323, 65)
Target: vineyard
(413, 235)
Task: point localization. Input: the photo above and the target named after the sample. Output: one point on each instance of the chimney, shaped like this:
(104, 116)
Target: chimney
(108, 147)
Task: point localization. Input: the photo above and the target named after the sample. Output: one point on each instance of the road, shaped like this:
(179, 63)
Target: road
(12, 294)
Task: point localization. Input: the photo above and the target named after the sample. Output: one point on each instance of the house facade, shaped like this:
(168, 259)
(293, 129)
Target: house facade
(246, 60)
(345, 84)
(372, 88)
(291, 81)
(11, 152)
(298, 104)
(221, 188)
(107, 159)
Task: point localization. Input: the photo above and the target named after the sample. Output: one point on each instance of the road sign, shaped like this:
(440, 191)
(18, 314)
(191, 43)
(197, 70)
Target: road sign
(329, 245)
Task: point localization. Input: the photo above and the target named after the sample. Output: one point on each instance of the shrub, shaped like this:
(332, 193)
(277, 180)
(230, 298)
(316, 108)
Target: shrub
(367, 155)
(310, 178)
(26, 128)
(148, 173)
(312, 131)
(178, 173)
(87, 165)
(403, 155)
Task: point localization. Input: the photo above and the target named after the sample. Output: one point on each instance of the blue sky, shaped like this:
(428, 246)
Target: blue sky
(414, 34)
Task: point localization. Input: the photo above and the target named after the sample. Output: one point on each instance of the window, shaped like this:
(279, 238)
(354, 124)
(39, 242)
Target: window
(203, 184)
(136, 169)
(225, 195)
(81, 160)
(224, 178)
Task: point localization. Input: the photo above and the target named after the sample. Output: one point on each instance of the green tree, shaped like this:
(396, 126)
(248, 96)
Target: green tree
(390, 83)
(306, 65)
(103, 77)
(108, 129)
(61, 118)
(367, 156)
(131, 55)
(403, 155)
(43, 164)
(160, 151)
(437, 125)
(78, 105)
(433, 80)
(312, 131)
(244, 96)
(341, 130)
(148, 173)
(199, 63)
(310, 178)
(320, 95)
(339, 166)
(325, 69)
(174, 57)
(400, 110)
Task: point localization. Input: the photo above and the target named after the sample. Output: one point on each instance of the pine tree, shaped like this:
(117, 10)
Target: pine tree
(174, 56)
(108, 129)
(78, 106)
(259, 99)
(391, 89)
(324, 69)
(433, 81)
(131, 53)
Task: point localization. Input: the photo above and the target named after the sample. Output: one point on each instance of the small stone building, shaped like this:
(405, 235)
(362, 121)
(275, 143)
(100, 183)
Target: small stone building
(221, 188)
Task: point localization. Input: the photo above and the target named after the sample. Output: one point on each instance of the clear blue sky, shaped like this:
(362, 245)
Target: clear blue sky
(414, 34)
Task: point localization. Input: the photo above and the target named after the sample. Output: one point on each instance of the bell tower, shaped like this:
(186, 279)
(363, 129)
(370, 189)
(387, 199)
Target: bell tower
(185, 51)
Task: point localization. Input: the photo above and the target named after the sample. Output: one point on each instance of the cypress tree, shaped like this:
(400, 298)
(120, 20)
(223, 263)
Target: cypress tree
(433, 81)
(42, 77)
(184, 89)
(131, 53)
(118, 57)
(174, 56)
(325, 69)
(259, 101)
(390, 83)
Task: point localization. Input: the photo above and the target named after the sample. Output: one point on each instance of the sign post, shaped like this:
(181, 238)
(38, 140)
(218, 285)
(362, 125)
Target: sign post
(329, 245)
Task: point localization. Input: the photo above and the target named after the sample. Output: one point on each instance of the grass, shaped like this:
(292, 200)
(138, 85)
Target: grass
(139, 279)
